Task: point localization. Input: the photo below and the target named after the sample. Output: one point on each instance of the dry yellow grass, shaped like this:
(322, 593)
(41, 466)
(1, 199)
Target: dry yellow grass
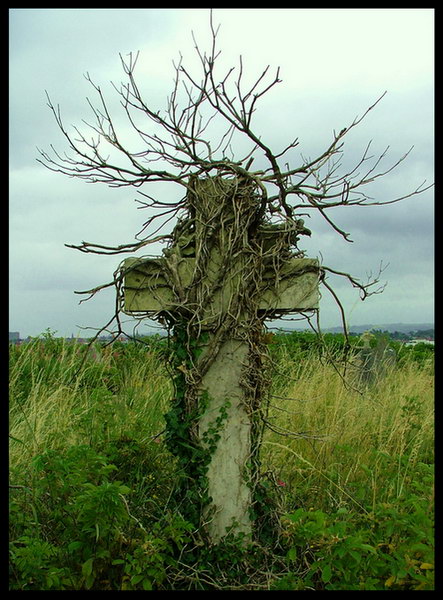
(335, 439)
(101, 403)
(344, 441)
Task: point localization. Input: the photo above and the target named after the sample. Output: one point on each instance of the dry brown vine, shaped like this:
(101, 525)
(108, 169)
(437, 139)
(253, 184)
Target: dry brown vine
(241, 224)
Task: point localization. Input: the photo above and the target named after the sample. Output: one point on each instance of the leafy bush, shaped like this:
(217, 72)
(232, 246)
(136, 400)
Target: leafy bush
(77, 517)
(93, 503)
(74, 529)
(389, 547)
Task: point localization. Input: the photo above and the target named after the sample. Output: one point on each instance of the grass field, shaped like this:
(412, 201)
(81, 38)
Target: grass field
(347, 475)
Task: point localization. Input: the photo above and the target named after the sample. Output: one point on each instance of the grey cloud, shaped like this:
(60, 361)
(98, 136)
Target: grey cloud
(53, 48)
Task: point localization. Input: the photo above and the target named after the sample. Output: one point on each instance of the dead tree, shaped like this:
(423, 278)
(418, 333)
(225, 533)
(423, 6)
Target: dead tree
(233, 246)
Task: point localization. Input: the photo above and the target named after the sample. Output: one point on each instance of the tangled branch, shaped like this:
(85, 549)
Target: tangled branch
(191, 140)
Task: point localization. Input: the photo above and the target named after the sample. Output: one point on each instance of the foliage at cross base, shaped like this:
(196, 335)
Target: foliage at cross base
(103, 515)
(78, 526)
(389, 548)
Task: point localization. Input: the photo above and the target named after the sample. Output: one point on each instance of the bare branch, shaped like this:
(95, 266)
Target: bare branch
(364, 288)
(88, 247)
(183, 141)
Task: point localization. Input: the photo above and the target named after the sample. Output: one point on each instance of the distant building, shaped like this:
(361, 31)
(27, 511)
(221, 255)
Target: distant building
(14, 336)
(419, 341)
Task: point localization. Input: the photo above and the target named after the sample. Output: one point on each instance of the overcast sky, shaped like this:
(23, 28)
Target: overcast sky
(334, 63)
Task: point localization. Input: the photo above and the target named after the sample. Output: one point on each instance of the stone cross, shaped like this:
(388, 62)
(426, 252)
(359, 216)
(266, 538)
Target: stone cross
(224, 274)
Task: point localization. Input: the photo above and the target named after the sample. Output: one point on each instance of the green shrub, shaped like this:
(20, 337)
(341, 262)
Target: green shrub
(75, 517)
(73, 527)
(391, 547)
(93, 481)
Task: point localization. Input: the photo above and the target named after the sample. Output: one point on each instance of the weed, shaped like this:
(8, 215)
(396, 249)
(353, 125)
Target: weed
(93, 501)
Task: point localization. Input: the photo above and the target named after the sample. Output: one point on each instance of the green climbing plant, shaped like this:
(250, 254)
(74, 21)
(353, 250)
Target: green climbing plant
(192, 452)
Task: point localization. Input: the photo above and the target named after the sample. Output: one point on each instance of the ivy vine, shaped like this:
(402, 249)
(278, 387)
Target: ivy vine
(192, 451)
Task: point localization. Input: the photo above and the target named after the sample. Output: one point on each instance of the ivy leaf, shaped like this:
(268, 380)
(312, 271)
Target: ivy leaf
(89, 576)
(292, 554)
(87, 567)
(136, 579)
(147, 585)
(73, 546)
(326, 573)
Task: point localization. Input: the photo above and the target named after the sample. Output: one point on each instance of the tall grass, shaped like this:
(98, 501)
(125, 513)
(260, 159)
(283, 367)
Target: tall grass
(60, 398)
(352, 469)
(337, 445)
(331, 437)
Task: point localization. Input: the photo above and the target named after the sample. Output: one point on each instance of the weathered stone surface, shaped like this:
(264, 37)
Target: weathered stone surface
(223, 273)
(227, 473)
(147, 290)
